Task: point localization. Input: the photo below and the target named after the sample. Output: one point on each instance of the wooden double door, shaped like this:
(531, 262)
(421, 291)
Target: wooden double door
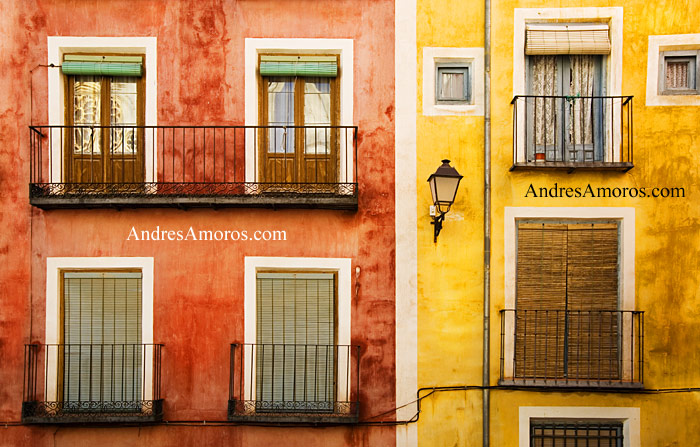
(301, 144)
(104, 142)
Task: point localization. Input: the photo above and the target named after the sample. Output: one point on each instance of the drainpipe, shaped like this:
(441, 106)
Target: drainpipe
(487, 223)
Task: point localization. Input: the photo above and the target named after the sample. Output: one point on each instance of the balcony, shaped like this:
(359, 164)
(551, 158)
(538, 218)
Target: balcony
(286, 383)
(92, 383)
(193, 166)
(568, 348)
(572, 133)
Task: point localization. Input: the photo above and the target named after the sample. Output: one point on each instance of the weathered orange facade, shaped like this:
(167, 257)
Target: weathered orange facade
(198, 297)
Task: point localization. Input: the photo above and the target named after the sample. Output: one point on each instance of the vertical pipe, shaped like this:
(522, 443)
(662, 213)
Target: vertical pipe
(487, 221)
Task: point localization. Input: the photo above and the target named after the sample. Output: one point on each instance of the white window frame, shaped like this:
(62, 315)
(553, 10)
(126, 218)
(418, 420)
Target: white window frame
(658, 45)
(344, 48)
(624, 215)
(60, 45)
(612, 64)
(340, 266)
(433, 57)
(54, 270)
(628, 416)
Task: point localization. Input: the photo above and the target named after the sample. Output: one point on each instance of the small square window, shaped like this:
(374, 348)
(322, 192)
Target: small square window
(678, 73)
(452, 84)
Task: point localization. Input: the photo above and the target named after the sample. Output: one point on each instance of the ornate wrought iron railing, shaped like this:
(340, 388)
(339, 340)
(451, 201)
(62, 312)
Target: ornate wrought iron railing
(577, 348)
(78, 383)
(194, 165)
(572, 132)
(294, 383)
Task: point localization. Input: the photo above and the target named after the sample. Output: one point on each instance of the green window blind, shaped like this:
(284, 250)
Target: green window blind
(318, 66)
(102, 354)
(102, 65)
(295, 340)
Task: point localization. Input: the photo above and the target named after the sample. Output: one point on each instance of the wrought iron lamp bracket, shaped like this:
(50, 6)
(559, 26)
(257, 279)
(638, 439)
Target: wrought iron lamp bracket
(437, 223)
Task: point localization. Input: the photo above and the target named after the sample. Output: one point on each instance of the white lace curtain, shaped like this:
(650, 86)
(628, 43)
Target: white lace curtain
(581, 110)
(546, 79)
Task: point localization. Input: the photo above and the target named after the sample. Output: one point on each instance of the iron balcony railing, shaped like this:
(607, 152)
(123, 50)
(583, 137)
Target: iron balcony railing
(577, 348)
(67, 383)
(312, 166)
(572, 132)
(294, 383)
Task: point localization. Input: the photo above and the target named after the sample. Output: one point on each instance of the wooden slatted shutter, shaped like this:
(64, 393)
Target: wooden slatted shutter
(541, 300)
(295, 341)
(592, 288)
(567, 286)
(102, 354)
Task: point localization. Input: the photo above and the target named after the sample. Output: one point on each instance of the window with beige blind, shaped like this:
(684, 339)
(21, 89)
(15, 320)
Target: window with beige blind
(296, 337)
(567, 319)
(678, 72)
(101, 352)
(565, 80)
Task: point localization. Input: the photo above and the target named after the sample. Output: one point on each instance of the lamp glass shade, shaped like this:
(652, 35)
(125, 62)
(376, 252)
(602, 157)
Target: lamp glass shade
(445, 190)
(443, 186)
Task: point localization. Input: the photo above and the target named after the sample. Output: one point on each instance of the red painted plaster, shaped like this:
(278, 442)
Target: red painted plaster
(198, 285)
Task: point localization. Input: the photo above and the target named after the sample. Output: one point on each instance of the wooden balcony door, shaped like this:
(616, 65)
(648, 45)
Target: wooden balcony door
(299, 155)
(105, 145)
(564, 122)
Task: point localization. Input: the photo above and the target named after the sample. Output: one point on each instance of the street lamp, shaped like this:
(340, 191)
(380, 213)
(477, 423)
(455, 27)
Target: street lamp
(443, 188)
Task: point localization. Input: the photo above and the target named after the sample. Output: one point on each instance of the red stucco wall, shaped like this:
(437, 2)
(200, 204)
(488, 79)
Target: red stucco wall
(198, 285)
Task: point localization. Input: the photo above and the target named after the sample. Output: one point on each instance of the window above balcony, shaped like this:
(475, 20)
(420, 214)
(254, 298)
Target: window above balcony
(297, 362)
(96, 155)
(567, 328)
(99, 363)
(568, 112)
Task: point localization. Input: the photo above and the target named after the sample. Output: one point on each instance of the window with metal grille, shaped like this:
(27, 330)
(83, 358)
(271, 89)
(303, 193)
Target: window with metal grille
(575, 434)
(101, 353)
(295, 352)
(678, 73)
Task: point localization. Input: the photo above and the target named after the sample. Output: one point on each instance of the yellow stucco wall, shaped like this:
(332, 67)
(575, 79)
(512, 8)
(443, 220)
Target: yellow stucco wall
(666, 244)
